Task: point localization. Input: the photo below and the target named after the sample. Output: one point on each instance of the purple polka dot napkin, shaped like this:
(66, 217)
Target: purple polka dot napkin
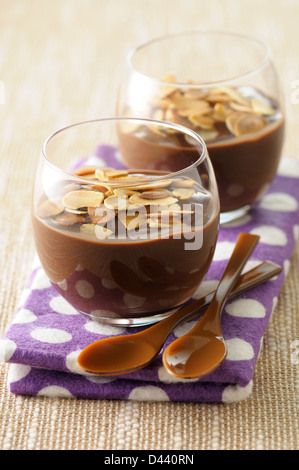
(46, 334)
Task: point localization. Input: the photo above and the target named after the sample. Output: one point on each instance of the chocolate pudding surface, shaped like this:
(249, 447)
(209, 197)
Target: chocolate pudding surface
(128, 274)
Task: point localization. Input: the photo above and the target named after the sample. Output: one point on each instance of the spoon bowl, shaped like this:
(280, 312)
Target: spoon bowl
(124, 354)
(195, 355)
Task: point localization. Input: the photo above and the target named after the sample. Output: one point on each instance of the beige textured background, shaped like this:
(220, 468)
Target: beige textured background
(61, 62)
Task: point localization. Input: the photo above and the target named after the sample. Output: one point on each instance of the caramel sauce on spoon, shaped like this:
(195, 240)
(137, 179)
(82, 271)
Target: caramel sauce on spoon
(126, 353)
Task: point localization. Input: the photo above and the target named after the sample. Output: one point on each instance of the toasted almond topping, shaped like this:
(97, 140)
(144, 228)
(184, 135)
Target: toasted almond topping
(241, 107)
(203, 121)
(81, 198)
(92, 229)
(86, 171)
(232, 119)
(149, 185)
(126, 192)
(138, 199)
(158, 115)
(49, 209)
(119, 203)
(166, 91)
(183, 183)
(88, 228)
(132, 221)
(196, 94)
(217, 97)
(155, 194)
(221, 112)
(76, 211)
(107, 174)
(67, 219)
(102, 232)
(101, 215)
(245, 123)
(262, 108)
(205, 134)
(183, 193)
(234, 94)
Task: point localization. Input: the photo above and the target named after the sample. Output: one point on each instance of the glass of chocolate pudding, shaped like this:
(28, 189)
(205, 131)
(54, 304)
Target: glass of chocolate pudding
(224, 87)
(125, 217)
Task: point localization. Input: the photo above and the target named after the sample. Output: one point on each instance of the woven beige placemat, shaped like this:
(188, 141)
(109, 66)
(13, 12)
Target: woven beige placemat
(60, 62)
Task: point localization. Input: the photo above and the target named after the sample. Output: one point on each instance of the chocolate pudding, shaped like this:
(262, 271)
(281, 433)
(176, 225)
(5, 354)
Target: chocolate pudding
(126, 251)
(243, 130)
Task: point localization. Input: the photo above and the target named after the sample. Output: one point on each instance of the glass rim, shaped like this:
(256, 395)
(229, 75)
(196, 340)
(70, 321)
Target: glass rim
(261, 64)
(203, 155)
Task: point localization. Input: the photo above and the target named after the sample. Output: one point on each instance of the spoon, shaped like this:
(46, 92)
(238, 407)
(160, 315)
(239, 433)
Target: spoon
(123, 354)
(203, 349)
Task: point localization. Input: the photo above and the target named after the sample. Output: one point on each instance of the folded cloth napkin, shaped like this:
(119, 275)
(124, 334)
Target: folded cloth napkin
(46, 335)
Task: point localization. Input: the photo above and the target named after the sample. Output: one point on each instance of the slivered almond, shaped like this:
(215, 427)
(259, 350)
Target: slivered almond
(183, 183)
(101, 215)
(203, 121)
(234, 95)
(49, 209)
(221, 112)
(107, 174)
(119, 203)
(240, 107)
(132, 221)
(81, 198)
(245, 123)
(155, 194)
(262, 108)
(88, 228)
(92, 229)
(85, 171)
(149, 184)
(126, 192)
(139, 199)
(102, 232)
(183, 193)
(67, 219)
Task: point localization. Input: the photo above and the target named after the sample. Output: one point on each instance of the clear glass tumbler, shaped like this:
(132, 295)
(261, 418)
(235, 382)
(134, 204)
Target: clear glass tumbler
(223, 86)
(125, 217)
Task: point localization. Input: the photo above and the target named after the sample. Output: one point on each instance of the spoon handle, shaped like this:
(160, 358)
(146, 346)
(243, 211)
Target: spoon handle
(243, 249)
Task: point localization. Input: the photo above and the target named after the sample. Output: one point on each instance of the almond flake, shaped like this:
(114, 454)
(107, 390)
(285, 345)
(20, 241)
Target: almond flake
(49, 209)
(245, 123)
(203, 121)
(221, 112)
(183, 193)
(150, 184)
(126, 192)
(67, 219)
(119, 203)
(102, 232)
(86, 171)
(88, 228)
(155, 194)
(234, 94)
(138, 199)
(81, 198)
(241, 107)
(262, 108)
(218, 97)
(101, 215)
(106, 174)
(183, 183)
(131, 222)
